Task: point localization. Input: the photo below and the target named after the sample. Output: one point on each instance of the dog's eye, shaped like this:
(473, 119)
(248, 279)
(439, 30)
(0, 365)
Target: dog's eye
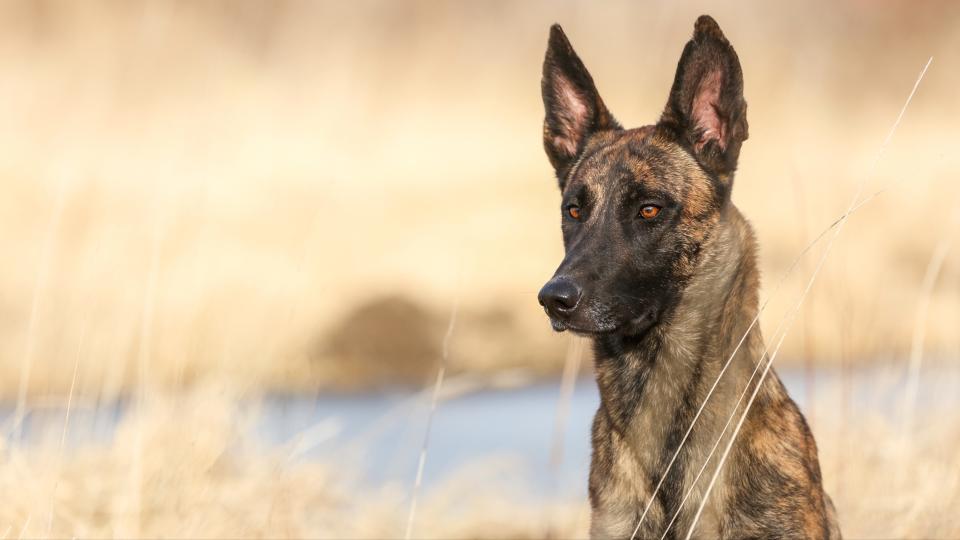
(574, 211)
(649, 211)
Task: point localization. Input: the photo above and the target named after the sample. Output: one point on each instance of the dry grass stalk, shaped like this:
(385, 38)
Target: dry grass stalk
(433, 408)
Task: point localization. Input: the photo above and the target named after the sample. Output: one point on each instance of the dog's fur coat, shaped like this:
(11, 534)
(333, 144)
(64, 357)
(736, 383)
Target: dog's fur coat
(660, 271)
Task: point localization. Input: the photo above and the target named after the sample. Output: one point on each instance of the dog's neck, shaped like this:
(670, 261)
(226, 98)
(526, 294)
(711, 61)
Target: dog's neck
(651, 388)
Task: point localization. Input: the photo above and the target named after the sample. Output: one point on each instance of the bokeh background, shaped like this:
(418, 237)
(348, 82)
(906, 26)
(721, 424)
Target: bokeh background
(206, 203)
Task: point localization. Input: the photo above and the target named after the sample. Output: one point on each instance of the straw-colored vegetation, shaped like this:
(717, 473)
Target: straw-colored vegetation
(289, 196)
(235, 182)
(182, 466)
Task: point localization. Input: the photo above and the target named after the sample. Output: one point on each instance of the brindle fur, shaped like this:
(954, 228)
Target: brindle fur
(667, 301)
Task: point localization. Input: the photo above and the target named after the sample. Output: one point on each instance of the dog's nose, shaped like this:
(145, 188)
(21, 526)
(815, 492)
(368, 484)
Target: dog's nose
(560, 297)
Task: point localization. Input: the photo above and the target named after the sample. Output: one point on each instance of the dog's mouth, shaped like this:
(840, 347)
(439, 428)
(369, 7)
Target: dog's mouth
(633, 326)
(561, 326)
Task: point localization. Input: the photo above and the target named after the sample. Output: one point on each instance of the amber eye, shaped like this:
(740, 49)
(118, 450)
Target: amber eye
(574, 212)
(649, 212)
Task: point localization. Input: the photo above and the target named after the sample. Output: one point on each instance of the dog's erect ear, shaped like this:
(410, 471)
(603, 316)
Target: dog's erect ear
(706, 111)
(574, 109)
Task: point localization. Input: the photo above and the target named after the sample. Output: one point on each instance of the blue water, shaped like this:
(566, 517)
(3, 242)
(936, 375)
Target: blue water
(507, 433)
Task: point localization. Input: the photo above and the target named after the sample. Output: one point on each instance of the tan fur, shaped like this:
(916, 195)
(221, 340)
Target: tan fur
(623, 485)
(669, 299)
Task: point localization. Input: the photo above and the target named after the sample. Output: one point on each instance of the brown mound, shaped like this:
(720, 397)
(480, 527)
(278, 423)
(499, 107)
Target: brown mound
(387, 340)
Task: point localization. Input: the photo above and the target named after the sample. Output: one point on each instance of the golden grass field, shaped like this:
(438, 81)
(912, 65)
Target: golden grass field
(174, 471)
(293, 197)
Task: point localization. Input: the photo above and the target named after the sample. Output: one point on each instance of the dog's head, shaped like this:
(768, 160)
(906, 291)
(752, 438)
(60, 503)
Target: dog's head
(638, 204)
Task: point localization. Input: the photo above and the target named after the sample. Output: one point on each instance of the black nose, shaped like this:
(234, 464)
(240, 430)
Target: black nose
(560, 297)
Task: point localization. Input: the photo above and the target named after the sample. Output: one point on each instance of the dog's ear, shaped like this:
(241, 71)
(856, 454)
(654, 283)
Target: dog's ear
(706, 112)
(574, 109)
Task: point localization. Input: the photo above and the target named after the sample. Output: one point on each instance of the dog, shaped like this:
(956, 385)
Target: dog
(660, 271)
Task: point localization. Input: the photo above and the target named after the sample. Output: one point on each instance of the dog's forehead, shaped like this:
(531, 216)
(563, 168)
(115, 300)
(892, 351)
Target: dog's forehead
(623, 163)
(633, 158)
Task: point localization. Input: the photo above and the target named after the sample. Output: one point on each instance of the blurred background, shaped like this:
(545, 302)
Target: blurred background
(239, 237)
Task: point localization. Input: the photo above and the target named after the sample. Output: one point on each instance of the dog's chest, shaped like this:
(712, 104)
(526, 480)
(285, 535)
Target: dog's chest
(631, 457)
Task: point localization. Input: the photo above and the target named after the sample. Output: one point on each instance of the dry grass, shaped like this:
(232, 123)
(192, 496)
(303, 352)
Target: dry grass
(287, 163)
(199, 476)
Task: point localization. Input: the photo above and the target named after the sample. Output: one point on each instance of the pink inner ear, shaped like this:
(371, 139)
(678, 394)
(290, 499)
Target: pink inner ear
(704, 113)
(572, 114)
